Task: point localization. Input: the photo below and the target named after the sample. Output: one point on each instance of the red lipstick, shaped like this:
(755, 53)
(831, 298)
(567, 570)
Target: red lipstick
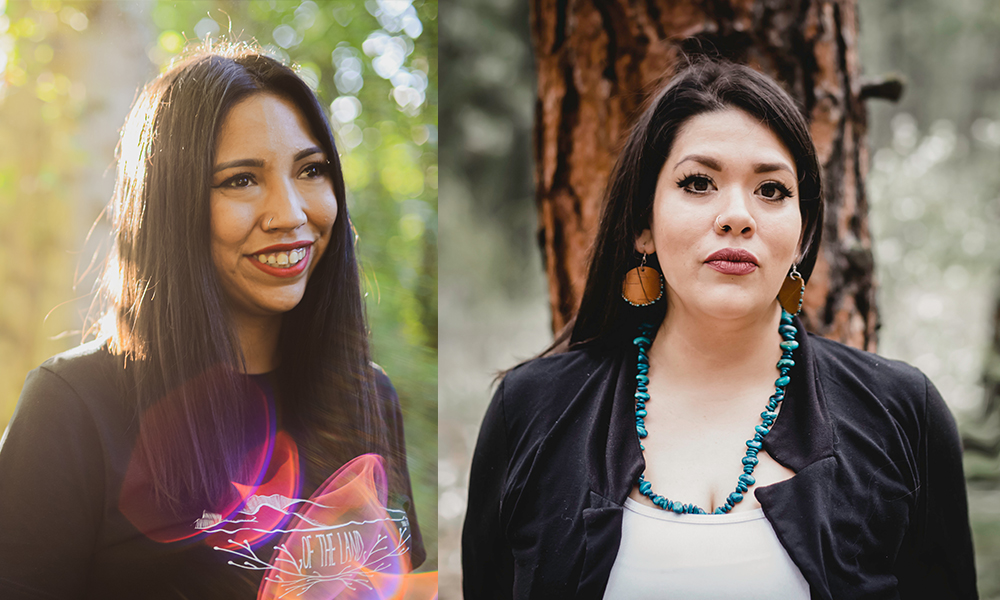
(732, 261)
(285, 272)
(282, 247)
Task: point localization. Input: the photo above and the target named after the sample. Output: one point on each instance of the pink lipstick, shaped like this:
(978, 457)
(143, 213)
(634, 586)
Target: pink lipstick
(732, 261)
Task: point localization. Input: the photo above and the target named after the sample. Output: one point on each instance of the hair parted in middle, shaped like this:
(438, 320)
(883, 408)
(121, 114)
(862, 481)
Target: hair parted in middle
(164, 311)
(706, 85)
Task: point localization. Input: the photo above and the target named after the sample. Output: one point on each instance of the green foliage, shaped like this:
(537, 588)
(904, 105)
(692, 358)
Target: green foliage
(373, 64)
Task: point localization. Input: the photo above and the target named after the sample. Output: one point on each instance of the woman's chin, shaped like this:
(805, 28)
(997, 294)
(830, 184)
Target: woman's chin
(730, 306)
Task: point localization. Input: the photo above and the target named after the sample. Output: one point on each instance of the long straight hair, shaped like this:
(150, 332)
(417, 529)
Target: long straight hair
(706, 85)
(169, 320)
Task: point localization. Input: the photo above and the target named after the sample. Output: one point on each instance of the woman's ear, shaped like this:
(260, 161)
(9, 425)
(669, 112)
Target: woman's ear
(644, 242)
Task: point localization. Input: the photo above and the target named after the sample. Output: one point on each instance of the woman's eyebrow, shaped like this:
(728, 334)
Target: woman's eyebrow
(708, 161)
(307, 152)
(243, 162)
(771, 167)
(256, 162)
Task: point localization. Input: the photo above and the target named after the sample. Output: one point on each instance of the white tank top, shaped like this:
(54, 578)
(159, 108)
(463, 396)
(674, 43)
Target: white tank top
(664, 555)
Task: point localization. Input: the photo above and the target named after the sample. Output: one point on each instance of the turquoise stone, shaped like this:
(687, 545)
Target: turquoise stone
(788, 331)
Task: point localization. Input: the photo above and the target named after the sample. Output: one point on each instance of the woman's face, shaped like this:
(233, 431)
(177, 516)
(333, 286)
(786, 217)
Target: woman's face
(272, 204)
(726, 224)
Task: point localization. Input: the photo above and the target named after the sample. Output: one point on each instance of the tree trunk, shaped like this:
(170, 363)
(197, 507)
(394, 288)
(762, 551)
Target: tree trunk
(598, 59)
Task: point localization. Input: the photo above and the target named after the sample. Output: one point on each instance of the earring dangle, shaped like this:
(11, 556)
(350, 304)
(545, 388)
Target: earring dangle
(792, 291)
(643, 285)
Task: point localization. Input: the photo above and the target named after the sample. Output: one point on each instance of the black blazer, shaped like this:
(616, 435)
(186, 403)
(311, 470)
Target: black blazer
(877, 507)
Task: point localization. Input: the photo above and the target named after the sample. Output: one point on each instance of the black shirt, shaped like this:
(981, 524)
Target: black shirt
(63, 533)
(877, 507)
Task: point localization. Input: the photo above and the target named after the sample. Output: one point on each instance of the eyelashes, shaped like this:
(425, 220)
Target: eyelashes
(313, 170)
(700, 183)
(696, 183)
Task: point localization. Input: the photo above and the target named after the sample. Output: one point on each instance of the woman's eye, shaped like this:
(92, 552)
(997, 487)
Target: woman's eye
(314, 170)
(697, 184)
(773, 190)
(243, 180)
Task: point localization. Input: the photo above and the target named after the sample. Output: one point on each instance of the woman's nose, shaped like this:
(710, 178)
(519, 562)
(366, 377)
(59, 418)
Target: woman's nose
(735, 216)
(285, 207)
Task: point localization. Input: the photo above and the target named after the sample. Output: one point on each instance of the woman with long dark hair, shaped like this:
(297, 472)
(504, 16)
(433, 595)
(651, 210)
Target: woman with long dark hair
(684, 437)
(230, 379)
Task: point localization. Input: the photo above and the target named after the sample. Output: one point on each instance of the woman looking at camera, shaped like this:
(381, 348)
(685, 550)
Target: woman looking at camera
(231, 376)
(685, 437)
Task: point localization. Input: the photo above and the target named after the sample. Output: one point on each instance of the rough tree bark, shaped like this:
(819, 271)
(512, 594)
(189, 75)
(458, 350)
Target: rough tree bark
(597, 60)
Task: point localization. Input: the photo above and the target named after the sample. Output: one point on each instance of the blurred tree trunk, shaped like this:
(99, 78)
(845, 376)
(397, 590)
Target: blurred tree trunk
(598, 59)
(983, 435)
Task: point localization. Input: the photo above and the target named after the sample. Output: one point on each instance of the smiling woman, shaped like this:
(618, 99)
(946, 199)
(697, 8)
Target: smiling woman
(226, 435)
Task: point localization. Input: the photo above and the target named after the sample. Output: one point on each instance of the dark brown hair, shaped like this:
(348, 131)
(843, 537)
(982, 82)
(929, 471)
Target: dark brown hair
(707, 85)
(161, 294)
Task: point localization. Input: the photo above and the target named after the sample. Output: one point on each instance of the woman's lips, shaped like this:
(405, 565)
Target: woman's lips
(732, 268)
(279, 271)
(732, 261)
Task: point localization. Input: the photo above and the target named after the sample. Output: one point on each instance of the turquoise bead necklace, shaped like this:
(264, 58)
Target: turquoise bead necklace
(788, 344)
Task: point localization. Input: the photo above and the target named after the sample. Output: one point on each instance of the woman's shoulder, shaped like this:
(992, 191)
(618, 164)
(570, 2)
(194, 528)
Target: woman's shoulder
(89, 371)
(853, 378)
(536, 392)
(835, 359)
(565, 369)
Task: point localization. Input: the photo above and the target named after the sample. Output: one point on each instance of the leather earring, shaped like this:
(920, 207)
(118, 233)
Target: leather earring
(792, 291)
(643, 285)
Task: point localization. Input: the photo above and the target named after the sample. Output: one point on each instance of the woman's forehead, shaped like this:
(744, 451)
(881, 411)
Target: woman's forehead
(727, 136)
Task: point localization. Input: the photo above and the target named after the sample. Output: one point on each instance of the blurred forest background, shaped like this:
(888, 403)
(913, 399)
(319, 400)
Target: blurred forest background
(69, 71)
(934, 189)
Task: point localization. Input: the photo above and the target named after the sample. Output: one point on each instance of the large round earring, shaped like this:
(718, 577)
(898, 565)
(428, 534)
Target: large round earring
(643, 285)
(792, 291)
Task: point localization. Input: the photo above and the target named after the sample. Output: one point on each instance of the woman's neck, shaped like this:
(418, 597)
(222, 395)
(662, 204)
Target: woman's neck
(713, 355)
(258, 339)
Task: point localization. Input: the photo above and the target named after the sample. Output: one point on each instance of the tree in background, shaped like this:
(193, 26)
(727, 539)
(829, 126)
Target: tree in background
(70, 69)
(598, 61)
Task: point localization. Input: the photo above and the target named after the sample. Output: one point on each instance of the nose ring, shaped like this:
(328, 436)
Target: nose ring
(268, 226)
(724, 228)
